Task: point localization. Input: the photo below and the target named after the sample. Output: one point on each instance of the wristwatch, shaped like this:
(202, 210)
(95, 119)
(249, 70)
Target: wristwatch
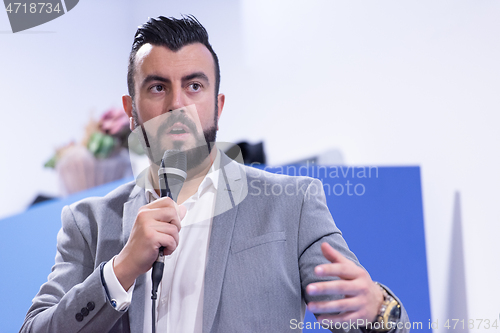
(388, 315)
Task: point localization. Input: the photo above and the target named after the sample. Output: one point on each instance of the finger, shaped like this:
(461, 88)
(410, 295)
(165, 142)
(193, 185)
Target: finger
(335, 287)
(167, 202)
(161, 202)
(162, 215)
(182, 210)
(169, 243)
(347, 271)
(349, 317)
(167, 229)
(165, 214)
(339, 305)
(331, 254)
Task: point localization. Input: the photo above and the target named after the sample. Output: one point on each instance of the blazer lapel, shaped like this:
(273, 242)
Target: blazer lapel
(137, 199)
(229, 189)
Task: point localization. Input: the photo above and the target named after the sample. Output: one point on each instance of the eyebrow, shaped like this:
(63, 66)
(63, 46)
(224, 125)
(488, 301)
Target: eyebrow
(196, 75)
(151, 78)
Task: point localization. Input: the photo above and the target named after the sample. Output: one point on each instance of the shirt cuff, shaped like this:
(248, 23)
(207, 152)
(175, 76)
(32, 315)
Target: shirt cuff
(119, 298)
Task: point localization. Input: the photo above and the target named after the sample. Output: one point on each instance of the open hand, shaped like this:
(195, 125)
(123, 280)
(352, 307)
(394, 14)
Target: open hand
(363, 297)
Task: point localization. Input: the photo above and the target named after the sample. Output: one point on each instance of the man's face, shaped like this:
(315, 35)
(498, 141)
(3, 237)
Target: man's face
(175, 98)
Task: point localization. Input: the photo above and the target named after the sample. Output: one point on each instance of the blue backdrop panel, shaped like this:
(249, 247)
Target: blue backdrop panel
(379, 213)
(27, 253)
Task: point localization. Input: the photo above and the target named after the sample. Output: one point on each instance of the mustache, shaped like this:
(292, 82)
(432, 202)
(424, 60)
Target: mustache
(178, 117)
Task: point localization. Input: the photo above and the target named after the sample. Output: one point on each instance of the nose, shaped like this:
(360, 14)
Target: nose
(177, 101)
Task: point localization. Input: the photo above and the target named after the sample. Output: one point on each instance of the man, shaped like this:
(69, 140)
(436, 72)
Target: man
(236, 261)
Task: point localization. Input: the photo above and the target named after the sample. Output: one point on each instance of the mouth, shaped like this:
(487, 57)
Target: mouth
(178, 130)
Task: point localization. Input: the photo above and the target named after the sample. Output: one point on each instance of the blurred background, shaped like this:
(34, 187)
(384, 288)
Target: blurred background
(381, 83)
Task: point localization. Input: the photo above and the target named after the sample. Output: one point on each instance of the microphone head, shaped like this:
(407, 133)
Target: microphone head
(172, 173)
(174, 159)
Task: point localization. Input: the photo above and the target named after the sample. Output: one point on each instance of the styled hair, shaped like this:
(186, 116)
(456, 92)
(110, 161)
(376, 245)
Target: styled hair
(174, 34)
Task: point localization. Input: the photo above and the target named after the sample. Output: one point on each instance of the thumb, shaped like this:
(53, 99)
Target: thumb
(331, 254)
(181, 210)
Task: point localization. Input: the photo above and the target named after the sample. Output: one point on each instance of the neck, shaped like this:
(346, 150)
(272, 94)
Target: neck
(194, 177)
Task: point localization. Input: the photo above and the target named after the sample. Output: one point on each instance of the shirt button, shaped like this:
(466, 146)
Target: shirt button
(90, 306)
(79, 316)
(84, 311)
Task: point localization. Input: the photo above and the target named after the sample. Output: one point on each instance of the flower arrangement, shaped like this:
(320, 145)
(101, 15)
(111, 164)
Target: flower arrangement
(103, 138)
(102, 156)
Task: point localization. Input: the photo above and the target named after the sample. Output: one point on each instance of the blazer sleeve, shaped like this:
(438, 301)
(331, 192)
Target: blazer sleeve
(317, 226)
(73, 299)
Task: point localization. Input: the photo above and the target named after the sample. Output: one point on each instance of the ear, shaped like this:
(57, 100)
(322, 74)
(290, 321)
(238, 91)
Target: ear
(127, 106)
(221, 98)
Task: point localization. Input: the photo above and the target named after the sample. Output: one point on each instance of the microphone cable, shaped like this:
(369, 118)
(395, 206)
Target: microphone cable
(156, 276)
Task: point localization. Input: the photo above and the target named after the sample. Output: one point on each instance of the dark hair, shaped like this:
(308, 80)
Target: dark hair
(174, 34)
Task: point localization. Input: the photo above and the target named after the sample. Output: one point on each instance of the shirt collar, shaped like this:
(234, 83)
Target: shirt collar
(211, 179)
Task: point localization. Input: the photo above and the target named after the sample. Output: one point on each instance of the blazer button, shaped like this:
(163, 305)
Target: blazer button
(79, 317)
(90, 306)
(84, 311)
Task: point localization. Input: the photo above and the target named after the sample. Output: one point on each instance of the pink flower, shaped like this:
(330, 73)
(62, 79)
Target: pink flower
(113, 121)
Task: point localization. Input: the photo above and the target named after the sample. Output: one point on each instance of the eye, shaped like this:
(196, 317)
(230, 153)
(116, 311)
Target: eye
(195, 86)
(157, 88)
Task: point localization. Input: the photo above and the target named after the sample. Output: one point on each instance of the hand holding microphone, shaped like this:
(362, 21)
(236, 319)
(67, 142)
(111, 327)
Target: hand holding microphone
(157, 225)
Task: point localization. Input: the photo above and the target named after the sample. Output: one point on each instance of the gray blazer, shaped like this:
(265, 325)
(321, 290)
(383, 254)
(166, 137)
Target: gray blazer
(264, 245)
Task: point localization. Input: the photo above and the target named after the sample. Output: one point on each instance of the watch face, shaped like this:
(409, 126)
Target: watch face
(395, 313)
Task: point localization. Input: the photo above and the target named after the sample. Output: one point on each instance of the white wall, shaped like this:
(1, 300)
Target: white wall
(53, 77)
(390, 83)
(387, 82)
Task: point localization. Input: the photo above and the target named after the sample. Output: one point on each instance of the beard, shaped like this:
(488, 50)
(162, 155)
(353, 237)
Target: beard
(203, 147)
(194, 155)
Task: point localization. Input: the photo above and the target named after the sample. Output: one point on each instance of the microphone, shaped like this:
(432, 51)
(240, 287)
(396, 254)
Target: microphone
(172, 174)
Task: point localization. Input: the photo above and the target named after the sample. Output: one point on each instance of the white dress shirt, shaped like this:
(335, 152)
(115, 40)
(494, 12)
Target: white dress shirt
(180, 294)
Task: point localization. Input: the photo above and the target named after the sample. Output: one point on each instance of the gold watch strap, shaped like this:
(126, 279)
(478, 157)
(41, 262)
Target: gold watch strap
(385, 320)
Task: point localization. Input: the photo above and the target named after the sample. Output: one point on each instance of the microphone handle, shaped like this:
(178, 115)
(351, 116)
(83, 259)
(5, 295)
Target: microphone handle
(158, 265)
(164, 192)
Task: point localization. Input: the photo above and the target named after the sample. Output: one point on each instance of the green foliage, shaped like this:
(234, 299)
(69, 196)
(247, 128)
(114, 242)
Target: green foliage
(51, 163)
(101, 145)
